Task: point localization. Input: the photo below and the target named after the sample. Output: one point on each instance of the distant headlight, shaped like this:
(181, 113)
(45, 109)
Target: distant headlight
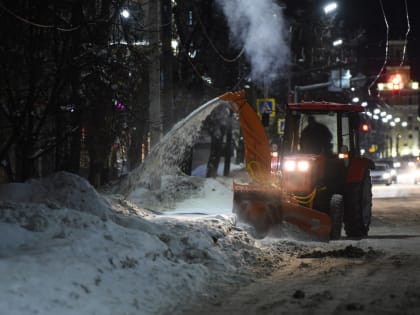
(303, 166)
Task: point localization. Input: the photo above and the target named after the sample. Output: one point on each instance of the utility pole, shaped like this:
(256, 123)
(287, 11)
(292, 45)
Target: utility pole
(155, 112)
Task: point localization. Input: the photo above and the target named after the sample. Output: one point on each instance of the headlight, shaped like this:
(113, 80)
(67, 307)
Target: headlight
(343, 155)
(386, 175)
(292, 165)
(303, 166)
(289, 166)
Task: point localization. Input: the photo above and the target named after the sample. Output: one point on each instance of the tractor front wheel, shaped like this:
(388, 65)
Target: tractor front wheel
(358, 207)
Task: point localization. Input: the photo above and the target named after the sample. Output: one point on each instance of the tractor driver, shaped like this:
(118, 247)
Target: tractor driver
(315, 138)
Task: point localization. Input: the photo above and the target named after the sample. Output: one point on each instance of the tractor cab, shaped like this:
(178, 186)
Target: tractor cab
(319, 141)
(305, 128)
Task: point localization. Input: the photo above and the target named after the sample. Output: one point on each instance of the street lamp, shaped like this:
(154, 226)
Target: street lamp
(125, 13)
(330, 7)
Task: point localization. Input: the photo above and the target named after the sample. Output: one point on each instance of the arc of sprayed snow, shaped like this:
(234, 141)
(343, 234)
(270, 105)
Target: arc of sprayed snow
(165, 155)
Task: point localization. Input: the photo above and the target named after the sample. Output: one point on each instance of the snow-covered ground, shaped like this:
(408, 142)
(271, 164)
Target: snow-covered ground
(67, 249)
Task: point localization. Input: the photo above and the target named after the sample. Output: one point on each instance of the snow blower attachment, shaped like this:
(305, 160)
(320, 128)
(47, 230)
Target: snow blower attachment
(321, 182)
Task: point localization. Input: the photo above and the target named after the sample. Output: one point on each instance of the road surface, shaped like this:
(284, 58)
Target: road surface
(376, 275)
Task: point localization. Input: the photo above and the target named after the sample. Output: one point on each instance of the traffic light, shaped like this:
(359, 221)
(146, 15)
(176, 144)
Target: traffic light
(364, 127)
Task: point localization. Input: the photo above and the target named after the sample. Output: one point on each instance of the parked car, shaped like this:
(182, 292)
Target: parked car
(381, 174)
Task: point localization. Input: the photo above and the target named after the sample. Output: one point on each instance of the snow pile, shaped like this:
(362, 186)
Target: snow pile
(173, 189)
(66, 249)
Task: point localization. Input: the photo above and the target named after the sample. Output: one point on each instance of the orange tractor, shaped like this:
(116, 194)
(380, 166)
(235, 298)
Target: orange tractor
(316, 181)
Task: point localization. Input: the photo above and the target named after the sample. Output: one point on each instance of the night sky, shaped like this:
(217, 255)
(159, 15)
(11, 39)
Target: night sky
(369, 15)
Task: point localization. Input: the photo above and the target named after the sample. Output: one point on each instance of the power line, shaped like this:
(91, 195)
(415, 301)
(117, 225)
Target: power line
(406, 34)
(217, 51)
(37, 24)
(386, 48)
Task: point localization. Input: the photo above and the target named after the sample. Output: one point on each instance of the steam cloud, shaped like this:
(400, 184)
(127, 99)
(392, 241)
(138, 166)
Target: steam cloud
(258, 26)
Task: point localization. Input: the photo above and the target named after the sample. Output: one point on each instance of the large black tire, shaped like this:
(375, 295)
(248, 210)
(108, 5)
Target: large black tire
(336, 212)
(358, 207)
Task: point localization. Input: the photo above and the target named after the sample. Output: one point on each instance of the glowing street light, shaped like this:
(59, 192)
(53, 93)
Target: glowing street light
(125, 13)
(330, 7)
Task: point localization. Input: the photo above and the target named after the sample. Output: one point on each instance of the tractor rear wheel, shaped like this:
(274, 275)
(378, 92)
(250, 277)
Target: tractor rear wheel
(336, 214)
(358, 207)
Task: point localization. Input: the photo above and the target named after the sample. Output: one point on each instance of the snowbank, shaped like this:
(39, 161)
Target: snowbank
(66, 249)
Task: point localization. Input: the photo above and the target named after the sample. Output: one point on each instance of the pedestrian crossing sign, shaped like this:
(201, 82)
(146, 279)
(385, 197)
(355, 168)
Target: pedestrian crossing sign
(266, 106)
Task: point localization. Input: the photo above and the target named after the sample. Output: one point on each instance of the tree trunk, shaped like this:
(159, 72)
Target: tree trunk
(166, 65)
(155, 114)
(74, 158)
